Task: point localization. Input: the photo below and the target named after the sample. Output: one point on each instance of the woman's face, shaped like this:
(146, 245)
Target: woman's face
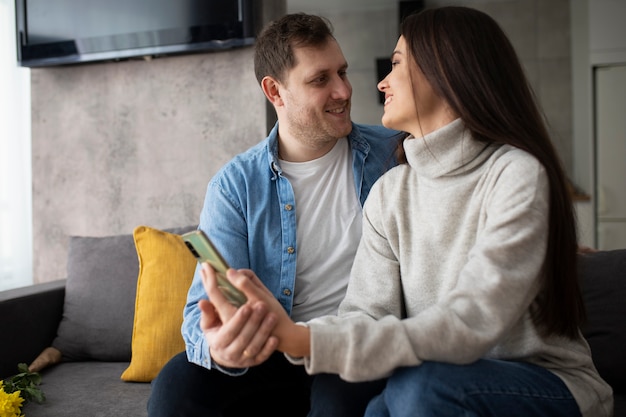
(411, 104)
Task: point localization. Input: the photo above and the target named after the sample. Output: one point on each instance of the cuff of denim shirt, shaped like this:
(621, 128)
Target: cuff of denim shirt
(200, 354)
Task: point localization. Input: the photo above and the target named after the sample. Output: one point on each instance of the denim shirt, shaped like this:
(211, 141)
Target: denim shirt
(249, 214)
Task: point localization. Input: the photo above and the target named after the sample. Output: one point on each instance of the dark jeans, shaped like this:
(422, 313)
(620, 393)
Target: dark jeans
(486, 388)
(275, 388)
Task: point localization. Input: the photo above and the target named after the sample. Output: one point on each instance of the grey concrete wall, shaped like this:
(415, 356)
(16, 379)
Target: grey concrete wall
(117, 145)
(120, 144)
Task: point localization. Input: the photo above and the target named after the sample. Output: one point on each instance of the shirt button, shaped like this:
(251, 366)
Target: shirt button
(290, 250)
(288, 207)
(287, 291)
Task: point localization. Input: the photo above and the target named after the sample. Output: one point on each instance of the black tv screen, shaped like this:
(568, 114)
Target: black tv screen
(60, 32)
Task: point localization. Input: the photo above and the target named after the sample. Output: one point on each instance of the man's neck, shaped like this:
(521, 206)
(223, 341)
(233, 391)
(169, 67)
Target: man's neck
(292, 150)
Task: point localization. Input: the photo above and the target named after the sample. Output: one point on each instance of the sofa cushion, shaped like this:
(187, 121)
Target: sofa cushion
(99, 299)
(89, 389)
(603, 281)
(98, 310)
(166, 269)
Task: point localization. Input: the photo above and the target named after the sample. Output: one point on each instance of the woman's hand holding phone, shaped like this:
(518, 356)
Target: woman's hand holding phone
(241, 331)
(238, 337)
(204, 250)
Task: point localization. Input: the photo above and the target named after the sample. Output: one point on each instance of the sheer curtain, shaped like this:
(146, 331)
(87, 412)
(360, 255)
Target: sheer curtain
(15, 160)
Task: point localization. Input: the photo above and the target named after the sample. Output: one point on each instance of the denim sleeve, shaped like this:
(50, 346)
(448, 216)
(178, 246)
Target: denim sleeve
(222, 220)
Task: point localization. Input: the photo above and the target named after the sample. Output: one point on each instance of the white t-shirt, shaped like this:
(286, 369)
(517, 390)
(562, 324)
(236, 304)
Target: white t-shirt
(328, 214)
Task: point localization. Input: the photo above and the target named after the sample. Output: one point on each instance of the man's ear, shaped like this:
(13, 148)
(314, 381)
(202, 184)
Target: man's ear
(271, 89)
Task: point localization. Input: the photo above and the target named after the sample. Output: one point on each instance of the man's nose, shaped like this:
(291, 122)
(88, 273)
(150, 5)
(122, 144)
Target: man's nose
(342, 89)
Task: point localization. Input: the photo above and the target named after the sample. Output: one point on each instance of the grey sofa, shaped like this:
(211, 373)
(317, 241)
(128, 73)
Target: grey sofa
(90, 320)
(30, 319)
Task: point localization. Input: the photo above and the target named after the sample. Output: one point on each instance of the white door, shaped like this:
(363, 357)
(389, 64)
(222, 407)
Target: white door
(610, 100)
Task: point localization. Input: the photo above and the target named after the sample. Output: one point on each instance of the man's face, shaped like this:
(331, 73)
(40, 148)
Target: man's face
(316, 95)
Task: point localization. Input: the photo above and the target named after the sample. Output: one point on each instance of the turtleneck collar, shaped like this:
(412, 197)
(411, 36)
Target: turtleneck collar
(447, 151)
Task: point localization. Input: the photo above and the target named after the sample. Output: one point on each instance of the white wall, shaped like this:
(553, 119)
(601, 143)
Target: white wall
(598, 38)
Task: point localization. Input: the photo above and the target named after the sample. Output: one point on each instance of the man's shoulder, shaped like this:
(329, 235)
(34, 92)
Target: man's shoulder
(375, 132)
(248, 164)
(250, 159)
(375, 138)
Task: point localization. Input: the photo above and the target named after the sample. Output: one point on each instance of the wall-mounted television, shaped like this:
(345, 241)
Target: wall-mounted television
(62, 32)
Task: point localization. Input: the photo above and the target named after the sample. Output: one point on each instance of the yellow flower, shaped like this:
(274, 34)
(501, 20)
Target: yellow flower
(10, 404)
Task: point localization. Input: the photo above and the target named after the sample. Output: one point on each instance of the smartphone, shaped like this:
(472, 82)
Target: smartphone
(204, 251)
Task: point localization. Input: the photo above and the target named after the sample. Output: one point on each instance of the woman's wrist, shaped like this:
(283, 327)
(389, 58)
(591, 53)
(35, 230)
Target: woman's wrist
(295, 340)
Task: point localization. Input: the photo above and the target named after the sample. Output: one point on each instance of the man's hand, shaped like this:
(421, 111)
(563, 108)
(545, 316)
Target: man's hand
(238, 337)
(291, 338)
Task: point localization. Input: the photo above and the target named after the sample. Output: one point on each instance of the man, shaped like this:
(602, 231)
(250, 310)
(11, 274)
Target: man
(290, 209)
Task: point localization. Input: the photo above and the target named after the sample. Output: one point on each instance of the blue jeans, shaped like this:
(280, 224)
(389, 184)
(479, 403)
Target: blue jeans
(486, 388)
(275, 388)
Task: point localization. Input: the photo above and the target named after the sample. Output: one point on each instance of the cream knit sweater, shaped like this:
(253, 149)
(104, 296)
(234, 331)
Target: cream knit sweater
(447, 270)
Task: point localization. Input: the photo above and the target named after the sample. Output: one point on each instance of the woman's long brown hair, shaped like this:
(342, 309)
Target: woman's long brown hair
(469, 61)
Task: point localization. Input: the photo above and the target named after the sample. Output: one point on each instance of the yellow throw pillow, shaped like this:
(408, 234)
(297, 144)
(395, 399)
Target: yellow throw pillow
(166, 269)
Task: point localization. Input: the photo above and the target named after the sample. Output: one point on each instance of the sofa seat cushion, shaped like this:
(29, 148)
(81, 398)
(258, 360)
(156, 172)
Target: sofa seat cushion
(94, 389)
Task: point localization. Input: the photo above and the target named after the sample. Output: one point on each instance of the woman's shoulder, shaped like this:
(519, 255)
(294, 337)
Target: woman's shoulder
(394, 176)
(509, 160)
(391, 186)
(517, 175)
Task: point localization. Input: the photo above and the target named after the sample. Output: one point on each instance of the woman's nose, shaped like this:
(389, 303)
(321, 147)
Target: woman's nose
(382, 85)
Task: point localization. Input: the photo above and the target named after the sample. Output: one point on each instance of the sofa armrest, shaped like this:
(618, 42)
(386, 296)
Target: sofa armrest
(29, 318)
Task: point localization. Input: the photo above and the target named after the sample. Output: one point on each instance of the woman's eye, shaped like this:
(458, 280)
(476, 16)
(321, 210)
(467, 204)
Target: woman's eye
(394, 63)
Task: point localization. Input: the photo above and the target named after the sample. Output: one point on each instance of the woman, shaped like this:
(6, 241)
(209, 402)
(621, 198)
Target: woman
(464, 290)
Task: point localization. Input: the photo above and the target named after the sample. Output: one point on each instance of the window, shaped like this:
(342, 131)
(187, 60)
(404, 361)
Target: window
(15, 156)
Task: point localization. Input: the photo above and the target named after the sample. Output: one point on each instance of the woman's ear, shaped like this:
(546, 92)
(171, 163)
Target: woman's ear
(271, 89)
